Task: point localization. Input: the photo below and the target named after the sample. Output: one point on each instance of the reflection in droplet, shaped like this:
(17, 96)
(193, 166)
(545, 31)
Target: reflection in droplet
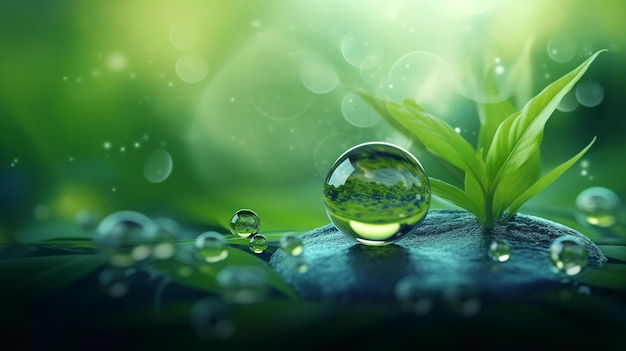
(589, 94)
(245, 223)
(598, 206)
(319, 78)
(211, 247)
(500, 250)
(569, 102)
(158, 166)
(561, 48)
(358, 112)
(359, 51)
(568, 255)
(258, 243)
(191, 67)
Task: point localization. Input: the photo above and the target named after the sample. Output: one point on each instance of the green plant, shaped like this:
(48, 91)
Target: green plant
(504, 170)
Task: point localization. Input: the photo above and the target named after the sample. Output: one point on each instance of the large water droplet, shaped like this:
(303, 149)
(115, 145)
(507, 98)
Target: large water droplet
(376, 193)
(318, 78)
(191, 67)
(258, 243)
(359, 51)
(412, 295)
(243, 284)
(500, 250)
(158, 166)
(245, 223)
(589, 94)
(598, 206)
(125, 237)
(561, 48)
(291, 244)
(358, 112)
(212, 247)
(568, 255)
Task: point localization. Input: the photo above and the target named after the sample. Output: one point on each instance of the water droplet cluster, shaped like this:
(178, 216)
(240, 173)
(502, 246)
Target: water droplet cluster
(376, 193)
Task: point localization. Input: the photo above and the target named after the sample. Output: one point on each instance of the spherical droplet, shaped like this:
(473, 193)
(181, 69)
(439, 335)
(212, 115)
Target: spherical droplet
(291, 244)
(158, 166)
(561, 48)
(598, 206)
(125, 237)
(412, 296)
(499, 250)
(245, 223)
(358, 112)
(376, 193)
(191, 67)
(568, 255)
(258, 243)
(589, 94)
(318, 78)
(359, 51)
(212, 247)
(167, 234)
(243, 284)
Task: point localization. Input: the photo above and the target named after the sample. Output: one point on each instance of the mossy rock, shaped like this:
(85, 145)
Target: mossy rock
(448, 252)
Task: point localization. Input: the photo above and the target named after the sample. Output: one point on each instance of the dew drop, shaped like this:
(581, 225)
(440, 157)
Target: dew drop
(258, 243)
(125, 237)
(412, 296)
(589, 94)
(318, 78)
(561, 48)
(598, 206)
(568, 255)
(191, 67)
(376, 193)
(212, 247)
(360, 52)
(245, 223)
(210, 318)
(358, 112)
(291, 244)
(500, 250)
(243, 284)
(158, 166)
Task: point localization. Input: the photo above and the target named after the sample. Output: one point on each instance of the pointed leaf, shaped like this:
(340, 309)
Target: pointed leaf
(519, 136)
(546, 180)
(439, 137)
(456, 196)
(510, 188)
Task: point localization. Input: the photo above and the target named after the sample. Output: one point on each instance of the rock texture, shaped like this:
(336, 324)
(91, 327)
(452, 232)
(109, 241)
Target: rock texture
(449, 252)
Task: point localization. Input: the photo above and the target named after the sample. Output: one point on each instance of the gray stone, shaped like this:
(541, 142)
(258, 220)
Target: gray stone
(448, 253)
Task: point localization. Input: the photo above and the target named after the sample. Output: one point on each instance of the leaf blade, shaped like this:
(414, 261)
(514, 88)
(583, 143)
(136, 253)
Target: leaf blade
(456, 196)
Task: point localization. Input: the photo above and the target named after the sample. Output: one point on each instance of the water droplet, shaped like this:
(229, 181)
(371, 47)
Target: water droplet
(243, 284)
(598, 206)
(412, 296)
(360, 52)
(245, 223)
(106, 145)
(212, 247)
(561, 48)
(258, 243)
(500, 250)
(376, 193)
(117, 62)
(358, 112)
(158, 166)
(210, 318)
(167, 234)
(318, 78)
(569, 102)
(568, 255)
(191, 67)
(86, 220)
(125, 237)
(291, 244)
(589, 94)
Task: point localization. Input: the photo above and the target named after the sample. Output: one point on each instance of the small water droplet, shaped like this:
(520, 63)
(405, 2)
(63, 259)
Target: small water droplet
(125, 237)
(500, 250)
(412, 295)
(191, 67)
(568, 255)
(376, 193)
(561, 48)
(158, 166)
(358, 112)
(243, 284)
(212, 247)
(359, 52)
(258, 243)
(598, 206)
(245, 223)
(291, 244)
(106, 145)
(318, 78)
(86, 220)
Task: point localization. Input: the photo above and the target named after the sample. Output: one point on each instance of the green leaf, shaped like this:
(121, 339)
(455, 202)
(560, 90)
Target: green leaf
(457, 197)
(614, 251)
(31, 278)
(610, 276)
(185, 269)
(512, 187)
(519, 136)
(439, 137)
